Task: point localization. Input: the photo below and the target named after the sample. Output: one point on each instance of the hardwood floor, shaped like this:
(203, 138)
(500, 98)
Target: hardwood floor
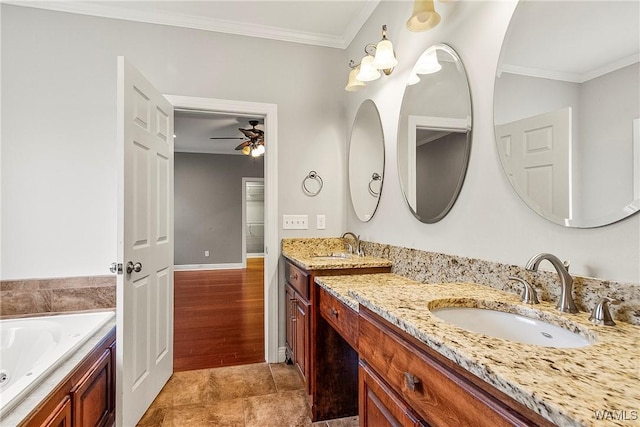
(219, 317)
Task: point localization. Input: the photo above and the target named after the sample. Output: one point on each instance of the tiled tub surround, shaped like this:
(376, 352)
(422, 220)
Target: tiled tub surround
(432, 267)
(566, 386)
(302, 252)
(42, 296)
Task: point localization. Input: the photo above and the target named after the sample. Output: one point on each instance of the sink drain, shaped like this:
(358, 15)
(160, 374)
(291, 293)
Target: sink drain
(544, 334)
(4, 377)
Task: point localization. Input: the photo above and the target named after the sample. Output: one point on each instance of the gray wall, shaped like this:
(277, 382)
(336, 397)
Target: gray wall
(208, 206)
(59, 157)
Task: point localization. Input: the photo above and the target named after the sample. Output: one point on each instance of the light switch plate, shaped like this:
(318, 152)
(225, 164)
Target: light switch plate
(321, 222)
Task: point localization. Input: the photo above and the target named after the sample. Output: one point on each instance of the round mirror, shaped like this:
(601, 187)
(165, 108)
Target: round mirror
(366, 160)
(434, 133)
(567, 110)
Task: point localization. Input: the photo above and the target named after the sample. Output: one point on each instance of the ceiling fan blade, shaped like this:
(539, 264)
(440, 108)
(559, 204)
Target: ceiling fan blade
(242, 145)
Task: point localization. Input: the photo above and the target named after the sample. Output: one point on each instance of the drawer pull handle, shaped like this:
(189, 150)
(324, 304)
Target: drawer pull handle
(334, 313)
(411, 381)
(294, 276)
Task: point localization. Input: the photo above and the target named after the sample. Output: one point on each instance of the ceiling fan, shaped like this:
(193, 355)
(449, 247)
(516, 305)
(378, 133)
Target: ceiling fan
(254, 145)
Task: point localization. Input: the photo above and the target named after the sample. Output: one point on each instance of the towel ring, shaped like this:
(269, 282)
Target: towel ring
(313, 175)
(375, 177)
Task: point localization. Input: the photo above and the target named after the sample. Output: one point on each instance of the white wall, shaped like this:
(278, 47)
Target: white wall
(488, 221)
(59, 125)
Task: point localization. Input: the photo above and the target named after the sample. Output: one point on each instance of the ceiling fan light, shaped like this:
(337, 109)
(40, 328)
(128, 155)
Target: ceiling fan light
(353, 84)
(367, 72)
(428, 63)
(424, 16)
(260, 150)
(246, 150)
(385, 57)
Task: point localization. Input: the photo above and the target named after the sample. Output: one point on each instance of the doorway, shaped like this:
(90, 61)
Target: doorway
(252, 219)
(271, 237)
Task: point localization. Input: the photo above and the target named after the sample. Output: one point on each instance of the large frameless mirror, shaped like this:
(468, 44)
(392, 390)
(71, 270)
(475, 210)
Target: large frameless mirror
(366, 161)
(434, 133)
(567, 109)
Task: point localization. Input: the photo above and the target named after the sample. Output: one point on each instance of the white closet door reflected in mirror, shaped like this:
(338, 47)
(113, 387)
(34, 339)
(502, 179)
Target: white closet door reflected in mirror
(567, 109)
(366, 161)
(434, 133)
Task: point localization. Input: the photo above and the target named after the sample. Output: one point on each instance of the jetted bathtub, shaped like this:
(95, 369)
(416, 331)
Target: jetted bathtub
(32, 347)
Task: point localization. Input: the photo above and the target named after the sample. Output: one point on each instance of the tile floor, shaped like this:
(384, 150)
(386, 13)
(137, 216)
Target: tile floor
(256, 395)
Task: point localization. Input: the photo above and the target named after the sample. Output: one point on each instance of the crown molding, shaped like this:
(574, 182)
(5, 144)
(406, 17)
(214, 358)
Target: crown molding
(569, 77)
(207, 24)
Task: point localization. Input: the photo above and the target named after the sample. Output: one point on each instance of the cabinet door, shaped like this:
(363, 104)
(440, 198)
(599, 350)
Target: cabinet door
(301, 356)
(290, 301)
(380, 406)
(93, 397)
(61, 417)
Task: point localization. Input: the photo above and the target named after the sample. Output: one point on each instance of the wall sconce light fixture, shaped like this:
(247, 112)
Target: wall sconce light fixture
(424, 16)
(379, 57)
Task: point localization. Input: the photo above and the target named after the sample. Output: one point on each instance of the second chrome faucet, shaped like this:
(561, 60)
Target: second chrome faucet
(565, 303)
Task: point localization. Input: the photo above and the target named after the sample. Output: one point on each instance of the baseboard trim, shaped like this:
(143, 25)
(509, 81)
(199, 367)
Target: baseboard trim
(227, 266)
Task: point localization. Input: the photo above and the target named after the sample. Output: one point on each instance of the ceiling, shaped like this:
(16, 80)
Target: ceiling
(194, 130)
(329, 23)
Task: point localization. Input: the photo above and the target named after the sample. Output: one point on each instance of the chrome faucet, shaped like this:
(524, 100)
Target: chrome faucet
(358, 248)
(565, 303)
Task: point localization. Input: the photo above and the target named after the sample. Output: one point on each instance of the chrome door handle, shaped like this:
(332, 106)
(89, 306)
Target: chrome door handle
(137, 267)
(116, 268)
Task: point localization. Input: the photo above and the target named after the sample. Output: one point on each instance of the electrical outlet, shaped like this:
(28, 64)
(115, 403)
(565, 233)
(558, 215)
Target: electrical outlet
(295, 222)
(206, 253)
(321, 222)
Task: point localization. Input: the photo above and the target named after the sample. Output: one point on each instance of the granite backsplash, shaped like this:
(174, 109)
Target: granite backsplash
(42, 296)
(432, 267)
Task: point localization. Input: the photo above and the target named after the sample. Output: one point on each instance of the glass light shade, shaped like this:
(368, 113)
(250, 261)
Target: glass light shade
(246, 150)
(427, 63)
(413, 79)
(354, 84)
(385, 58)
(367, 72)
(424, 16)
(260, 149)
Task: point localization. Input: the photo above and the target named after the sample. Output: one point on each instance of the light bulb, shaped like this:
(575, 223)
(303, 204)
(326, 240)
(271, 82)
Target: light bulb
(246, 150)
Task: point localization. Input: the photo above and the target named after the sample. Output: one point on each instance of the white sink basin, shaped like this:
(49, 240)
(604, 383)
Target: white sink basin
(510, 326)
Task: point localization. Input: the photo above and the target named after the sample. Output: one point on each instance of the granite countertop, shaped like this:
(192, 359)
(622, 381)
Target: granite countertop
(36, 397)
(565, 385)
(311, 254)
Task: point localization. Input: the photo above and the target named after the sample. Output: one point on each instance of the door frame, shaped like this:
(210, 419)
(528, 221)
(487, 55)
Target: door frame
(271, 230)
(245, 180)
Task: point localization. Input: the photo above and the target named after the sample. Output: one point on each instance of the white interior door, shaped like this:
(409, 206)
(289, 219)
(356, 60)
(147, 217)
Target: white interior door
(145, 242)
(536, 154)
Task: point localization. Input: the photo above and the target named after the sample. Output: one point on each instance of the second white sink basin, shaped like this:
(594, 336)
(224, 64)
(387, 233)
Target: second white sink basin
(510, 326)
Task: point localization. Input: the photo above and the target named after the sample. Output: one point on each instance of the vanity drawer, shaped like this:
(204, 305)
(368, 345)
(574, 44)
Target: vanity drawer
(432, 385)
(340, 316)
(298, 279)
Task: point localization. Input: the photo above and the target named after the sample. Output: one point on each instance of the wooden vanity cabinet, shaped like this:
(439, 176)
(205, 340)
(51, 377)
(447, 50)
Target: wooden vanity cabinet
(86, 398)
(327, 362)
(408, 378)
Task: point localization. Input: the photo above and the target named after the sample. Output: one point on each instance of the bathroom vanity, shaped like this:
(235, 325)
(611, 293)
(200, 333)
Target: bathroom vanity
(415, 369)
(327, 362)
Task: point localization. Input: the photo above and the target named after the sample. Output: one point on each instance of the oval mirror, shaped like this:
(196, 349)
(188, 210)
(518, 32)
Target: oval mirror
(434, 133)
(366, 161)
(567, 110)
